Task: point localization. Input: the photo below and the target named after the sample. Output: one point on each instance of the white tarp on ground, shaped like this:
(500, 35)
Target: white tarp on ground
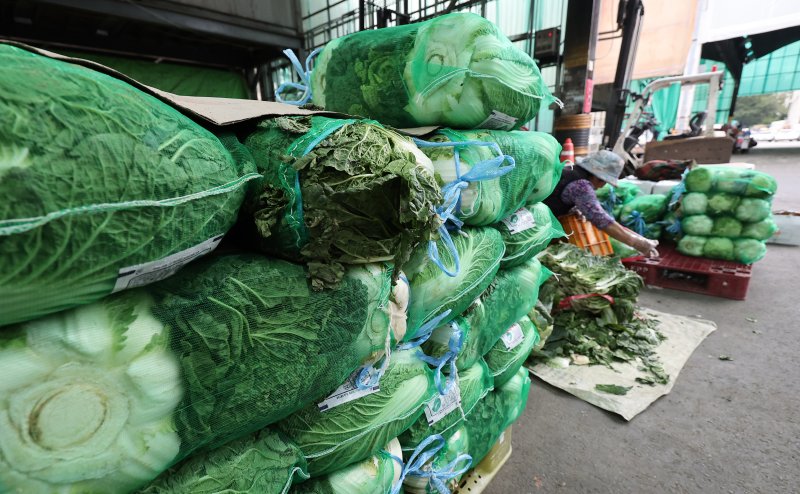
(683, 334)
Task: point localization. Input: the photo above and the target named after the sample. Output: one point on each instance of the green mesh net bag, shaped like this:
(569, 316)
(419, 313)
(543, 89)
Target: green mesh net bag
(489, 196)
(375, 475)
(748, 250)
(762, 230)
(528, 231)
(719, 248)
(511, 295)
(493, 414)
(692, 245)
(339, 192)
(263, 462)
(546, 184)
(442, 472)
(455, 70)
(543, 322)
(332, 437)
(731, 180)
(697, 225)
(611, 198)
(446, 412)
(104, 187)
(651, 208)
(722, 203)
(436, 298)
(511, 350)
(725, 226)
(106, 396)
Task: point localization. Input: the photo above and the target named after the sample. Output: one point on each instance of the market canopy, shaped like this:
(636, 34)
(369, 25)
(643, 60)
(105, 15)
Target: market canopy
(735, 52)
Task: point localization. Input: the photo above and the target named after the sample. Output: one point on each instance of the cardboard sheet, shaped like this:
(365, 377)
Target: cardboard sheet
(684, 334)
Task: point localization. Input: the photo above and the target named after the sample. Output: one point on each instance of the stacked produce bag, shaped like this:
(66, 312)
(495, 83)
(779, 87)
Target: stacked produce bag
(727, 214)
(364, 325)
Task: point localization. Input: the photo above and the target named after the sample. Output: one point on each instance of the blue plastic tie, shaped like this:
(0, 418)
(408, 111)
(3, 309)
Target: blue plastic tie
(675, 227)
(610, 201)
(678, 190)
(451, 192)
(425, 452)
(449, 358)
(305, 78)
(636, 222)
(425, 331)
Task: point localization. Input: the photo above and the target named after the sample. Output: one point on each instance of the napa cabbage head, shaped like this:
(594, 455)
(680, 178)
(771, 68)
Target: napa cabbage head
(87, 399)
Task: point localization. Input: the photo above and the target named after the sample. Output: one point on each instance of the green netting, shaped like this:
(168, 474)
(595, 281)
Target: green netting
(719, 248)
(433, 292)
(473, 384)
(339, 191)
(456, 443)
(375, 475)
(736, 181)
(336, 437)
(488, 201)
(527, 232)
(748, 250)
(511, 350)
(722, 203)
(651, 207)
(263, 462)
(104, 397)
(613, 197)
(511, 295)
(546, 184)
(493, 414)
(99, 182)
(763, 230)
(697, 225)
(753, 210)
(694, 203)
(725, 226)
(692, 245)
(455, 70)
(175, 78)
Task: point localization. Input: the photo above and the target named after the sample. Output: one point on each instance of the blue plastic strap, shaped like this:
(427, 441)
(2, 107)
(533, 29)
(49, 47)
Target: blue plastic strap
(636, 222)
(678, 190)
(675, 227)
(424, 453)
(449, 358)
(327, 131)
(424, 332)
(451, 192)
(610, 201)
(305, 79)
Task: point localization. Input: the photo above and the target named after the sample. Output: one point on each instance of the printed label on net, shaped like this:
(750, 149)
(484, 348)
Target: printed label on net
(520, 221)
(150, 272)
(513, 337)
(440, 405)
(347, 392)
(498, 121)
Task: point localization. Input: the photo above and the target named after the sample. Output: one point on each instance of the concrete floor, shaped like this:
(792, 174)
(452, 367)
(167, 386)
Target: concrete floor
(726, 427)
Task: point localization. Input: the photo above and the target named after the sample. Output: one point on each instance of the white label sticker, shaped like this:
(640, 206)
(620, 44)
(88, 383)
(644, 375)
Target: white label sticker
(440, 405)
(513, 337)
(150, 272)
(520, 221)
(347, 392)
(498, 121)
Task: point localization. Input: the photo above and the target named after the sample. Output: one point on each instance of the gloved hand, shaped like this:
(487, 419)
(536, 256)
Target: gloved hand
(647, 247)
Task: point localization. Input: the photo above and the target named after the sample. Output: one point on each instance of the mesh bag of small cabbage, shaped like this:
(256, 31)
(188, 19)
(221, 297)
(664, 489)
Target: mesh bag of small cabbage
(104, 397)
(455, 70)
(104, 187)
(334, 433)
(511, 350)
(435, 297)
(731, 180)
(643, 213)
(469, 161)
(613, 198)
(339, 192)
(527, 232)
(511, 295)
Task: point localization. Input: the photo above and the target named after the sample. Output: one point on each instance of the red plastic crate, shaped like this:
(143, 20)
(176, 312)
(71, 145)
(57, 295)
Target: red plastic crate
(693, 274)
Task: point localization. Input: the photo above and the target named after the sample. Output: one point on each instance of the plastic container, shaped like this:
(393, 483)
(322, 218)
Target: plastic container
(584, 234)
(476, 480)
(675, 271)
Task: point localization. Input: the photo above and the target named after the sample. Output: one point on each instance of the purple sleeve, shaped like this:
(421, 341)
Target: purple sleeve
(581, 194)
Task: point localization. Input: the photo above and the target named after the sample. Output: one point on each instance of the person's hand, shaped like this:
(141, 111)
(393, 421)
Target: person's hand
(647, 247)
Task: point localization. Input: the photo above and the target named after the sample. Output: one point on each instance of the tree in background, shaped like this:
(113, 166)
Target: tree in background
(761, 109)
